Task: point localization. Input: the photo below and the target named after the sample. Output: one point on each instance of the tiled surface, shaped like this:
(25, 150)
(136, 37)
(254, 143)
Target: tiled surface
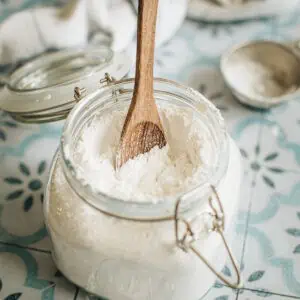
(26, 274)
(250, 295)
(266, 238)
(220, 293)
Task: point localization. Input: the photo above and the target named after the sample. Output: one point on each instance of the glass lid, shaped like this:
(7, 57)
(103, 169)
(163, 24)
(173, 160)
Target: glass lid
(48, 81)
(59, 68)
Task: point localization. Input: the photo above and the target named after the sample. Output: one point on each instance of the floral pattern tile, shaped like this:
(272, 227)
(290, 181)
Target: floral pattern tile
(22, 183)
(82, 295)
(273, 237)
(12, 133)
(219, 292)
(285, 130)
(214, 293)
(266, 230)
(273, 220)
(29, 275)
(239, 226)
(27, 185)
(6, 123)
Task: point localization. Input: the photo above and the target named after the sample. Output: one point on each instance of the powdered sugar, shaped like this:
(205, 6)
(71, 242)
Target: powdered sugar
(255, 79)
(161, 173)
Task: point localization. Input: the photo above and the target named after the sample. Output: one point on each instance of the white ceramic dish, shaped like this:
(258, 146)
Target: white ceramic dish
(282, 59)
(207, 10)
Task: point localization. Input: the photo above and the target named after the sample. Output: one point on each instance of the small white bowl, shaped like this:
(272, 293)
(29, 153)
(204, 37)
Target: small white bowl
(211, 10)
(261, 74)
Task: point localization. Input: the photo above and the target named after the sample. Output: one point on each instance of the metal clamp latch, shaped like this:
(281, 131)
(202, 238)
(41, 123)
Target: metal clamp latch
(187, 241)
(107, 79)
(79, 93)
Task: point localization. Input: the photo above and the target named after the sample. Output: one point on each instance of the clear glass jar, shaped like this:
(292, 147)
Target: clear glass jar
(128, 250)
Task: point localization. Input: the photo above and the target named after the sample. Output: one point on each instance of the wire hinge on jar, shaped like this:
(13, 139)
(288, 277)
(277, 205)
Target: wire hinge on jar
(79, 93)
(108, 80)
(187, 241)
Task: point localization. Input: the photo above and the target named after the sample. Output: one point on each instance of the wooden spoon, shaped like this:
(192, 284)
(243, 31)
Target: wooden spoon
(142, 129)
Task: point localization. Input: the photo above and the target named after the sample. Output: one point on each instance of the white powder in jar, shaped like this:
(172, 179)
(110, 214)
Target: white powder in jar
(177, 168)
(122, 259)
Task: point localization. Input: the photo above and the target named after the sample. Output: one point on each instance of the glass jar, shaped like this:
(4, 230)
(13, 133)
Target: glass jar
(132, 250)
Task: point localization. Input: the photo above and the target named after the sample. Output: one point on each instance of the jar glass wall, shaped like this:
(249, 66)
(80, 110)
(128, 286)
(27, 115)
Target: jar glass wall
(127, 250)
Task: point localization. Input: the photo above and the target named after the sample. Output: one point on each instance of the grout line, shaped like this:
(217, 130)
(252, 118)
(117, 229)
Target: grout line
(259, 290)
(250, 201)
(271, 293)
(208, 291)
(27, 248)
(293, 171)
(76, 293)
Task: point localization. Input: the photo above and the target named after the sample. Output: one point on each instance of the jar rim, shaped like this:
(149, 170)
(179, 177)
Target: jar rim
(85, 191)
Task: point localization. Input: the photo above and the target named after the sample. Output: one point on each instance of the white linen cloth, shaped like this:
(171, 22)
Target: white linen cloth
(210, 10)
(32, 31)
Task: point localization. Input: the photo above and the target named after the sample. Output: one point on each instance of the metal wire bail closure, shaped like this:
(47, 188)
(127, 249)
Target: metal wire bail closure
(188, 240)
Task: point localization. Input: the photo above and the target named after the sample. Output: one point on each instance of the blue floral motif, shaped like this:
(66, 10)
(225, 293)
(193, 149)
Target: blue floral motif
(14, 296)
(256, 276)
(26, 186)
(295, 232)
(6, 123)
(31, 280)
(216, 29)
(264, 165)
(19, 150)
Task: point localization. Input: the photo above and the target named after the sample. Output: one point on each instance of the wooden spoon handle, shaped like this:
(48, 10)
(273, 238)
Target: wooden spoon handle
(145, 47)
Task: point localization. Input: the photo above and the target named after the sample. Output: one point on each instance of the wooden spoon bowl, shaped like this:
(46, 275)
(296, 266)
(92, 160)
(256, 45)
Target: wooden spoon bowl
(142, 129)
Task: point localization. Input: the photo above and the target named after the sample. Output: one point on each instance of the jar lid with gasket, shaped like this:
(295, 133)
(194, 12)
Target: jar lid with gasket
(41, 90)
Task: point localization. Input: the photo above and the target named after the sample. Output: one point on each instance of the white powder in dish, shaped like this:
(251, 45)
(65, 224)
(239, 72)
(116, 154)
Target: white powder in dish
(255, 79)
(230, 2)
(180, 166)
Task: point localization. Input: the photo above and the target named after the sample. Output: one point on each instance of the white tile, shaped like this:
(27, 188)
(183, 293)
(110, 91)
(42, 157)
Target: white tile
(82, 295)
(244, 140)
(208, 81)
(31, 274)
(281, 131)
(22, 183)
(271, 254)
(220, 293)
(258, 295)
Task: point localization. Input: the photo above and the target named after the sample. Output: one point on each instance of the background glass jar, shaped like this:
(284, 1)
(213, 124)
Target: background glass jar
(128, 250)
